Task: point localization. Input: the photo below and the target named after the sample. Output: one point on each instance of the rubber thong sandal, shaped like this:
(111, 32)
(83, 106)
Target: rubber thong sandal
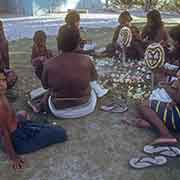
(145, 162)
(168, 151)
(114, 108)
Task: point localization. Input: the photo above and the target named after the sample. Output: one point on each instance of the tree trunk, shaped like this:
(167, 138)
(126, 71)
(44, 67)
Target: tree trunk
(107, 3)
(147, 5)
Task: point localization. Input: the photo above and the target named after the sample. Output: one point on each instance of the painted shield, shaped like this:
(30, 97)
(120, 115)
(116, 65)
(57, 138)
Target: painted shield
(154, 56)
(125, 37)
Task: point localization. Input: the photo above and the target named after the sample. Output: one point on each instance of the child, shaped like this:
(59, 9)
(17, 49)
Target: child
(40, 53)
(137, 47)
(4, 59)
(19, 135)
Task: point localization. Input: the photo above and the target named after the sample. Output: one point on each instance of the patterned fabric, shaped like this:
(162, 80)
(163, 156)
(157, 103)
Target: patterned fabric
(170, 117)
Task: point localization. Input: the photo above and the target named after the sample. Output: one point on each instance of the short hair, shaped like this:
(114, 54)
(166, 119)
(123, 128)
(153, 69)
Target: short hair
(175, 33)
(125, 15)
(72, 17)
(68, 38)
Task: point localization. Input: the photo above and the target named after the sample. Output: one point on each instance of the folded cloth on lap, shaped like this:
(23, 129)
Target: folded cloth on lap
(161, 95)
(76, 111)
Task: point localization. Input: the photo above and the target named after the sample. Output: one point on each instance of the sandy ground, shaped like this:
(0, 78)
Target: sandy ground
(99, 145)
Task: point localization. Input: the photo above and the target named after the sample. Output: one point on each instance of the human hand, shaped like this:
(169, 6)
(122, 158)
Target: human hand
(18, 163)
(170, 105)
(163, 43)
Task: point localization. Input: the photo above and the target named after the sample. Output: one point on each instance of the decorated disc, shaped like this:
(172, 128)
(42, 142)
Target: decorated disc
(125, 37)
(154, 56)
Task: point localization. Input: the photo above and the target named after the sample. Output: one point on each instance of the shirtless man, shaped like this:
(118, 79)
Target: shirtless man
(19, 135)
(68, 75)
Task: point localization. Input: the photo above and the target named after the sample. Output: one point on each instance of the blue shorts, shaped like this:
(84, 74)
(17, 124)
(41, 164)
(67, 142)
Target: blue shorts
(170, 117)
(32, 136)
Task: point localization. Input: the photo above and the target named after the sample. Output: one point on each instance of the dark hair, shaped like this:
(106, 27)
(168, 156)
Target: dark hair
(124, 16)
(154, 19)
(39, 37)
(72, 17)
(68, 38)
(39, 40)
(175, 33)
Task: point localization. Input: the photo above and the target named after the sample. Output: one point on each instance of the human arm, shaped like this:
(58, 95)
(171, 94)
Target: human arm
(115, 35)
(44, 77)
(93, 72)
(6, 55)
(17, 162)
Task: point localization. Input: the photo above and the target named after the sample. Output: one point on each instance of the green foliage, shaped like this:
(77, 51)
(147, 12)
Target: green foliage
(171, 5)
(120, 3)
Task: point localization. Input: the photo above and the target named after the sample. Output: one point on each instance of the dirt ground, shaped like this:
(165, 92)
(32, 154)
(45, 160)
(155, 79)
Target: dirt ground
(99, 145)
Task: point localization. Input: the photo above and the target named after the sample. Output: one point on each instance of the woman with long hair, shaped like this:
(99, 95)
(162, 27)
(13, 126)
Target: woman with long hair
(154, 30)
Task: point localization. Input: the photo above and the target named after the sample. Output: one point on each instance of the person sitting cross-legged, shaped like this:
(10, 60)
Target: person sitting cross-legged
(40, 52)
(19, 135)
(163, 113)
(68, 76)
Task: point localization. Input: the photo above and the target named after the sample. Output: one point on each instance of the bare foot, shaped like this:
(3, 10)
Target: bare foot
(165, 140)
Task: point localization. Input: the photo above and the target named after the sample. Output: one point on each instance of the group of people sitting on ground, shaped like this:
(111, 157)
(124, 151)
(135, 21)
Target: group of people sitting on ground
(70, 78)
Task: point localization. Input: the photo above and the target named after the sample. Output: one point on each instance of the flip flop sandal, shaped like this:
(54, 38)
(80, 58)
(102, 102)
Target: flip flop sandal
(168, 151)
(145, 162)
(114, 108)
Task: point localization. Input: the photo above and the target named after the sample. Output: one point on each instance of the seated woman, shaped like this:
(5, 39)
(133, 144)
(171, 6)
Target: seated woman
(68, 77)
(154, 30)
(164, 116)
(19, 135)
(4, 59)
(40, 52)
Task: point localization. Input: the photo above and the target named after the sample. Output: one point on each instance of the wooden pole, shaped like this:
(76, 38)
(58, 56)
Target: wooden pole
(152, 80)
(124, 55)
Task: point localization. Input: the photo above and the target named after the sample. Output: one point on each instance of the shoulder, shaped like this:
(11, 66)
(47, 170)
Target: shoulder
(85, 57)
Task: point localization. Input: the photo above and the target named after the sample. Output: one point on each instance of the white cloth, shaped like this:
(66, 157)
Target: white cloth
(99, 90)
(161, 95)
(76, 111)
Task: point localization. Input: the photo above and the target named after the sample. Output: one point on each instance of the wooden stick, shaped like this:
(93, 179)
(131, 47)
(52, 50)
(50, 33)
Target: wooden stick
(152, 80)
(124, 55)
